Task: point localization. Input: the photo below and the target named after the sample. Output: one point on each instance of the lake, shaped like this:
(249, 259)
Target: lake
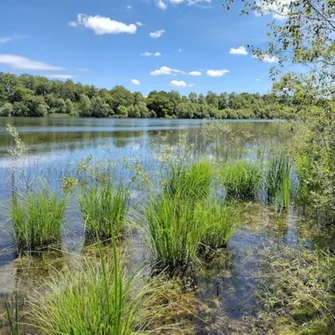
(57, 146)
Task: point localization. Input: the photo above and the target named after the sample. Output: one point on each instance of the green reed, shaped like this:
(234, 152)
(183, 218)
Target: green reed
(102, 299)
(105, 209)
(37, 219)
(278, 181)
(241, 180)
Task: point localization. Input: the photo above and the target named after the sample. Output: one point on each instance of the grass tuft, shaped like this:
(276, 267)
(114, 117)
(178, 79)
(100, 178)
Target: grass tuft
(241, 180)
(104, 209)
(37, 219)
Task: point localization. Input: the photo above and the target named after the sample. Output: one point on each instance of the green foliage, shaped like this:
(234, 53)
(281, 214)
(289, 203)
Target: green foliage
(37, 219)
(104, 209)
(219, 220)
(241, 179)
(28, 95)
(278, 180)
(102, 299)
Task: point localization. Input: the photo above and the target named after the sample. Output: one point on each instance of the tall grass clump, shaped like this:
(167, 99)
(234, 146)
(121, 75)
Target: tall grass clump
(37, 219)
(174, 230)
(102, 299)
(241, 180)
(218, 220)
(104, 208)
(278, 180)
(189, 182)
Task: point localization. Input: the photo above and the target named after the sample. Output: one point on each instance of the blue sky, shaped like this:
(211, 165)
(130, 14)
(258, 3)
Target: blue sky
(194, 45)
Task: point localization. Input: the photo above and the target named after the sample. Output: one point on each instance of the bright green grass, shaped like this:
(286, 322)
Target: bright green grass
(37, 219)
(241, 180)
(174, 230)
(218, 220)
(278, 180)
(105, 210)
(101, 300)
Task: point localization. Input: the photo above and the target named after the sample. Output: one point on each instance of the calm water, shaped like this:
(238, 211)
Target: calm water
(57, 145)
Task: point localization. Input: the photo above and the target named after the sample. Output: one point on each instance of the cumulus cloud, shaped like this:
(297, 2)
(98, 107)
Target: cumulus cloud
(135, 82)
(217, 73)
(279, 9)
(241, 50)
(157, 34)
(60, 76)
(180, 83)
(161, 4)
(151, 54)
(266, 58)
(165, 70)
(23, 63)
(139, 24)
(195, 73)
(103, 25)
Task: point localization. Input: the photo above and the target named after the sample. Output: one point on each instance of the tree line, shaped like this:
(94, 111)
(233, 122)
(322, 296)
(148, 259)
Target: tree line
(28, 95)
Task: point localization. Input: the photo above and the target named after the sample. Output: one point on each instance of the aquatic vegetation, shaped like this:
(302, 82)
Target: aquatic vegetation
(241, 180)
(299, 290)
(278, 182)
(37, 219)
(104, 208)
(189, 182)
(102, 299)
(219, 220)
(174, 230)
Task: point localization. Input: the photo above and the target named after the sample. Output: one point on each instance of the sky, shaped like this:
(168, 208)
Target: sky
(144, 45)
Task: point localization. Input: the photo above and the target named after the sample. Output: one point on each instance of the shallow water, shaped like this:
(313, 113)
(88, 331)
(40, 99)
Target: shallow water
(56, 146)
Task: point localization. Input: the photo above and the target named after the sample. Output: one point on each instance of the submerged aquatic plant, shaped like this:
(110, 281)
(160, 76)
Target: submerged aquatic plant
(278, 182)
(241, 180)
(104, 209)
(37, 219)
(218, 220)
(102, 299)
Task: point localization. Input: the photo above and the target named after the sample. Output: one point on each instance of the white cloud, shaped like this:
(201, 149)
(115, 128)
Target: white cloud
(241, 50)
(103, 25)
(23, 63)
(6, 39)
(129, 7)
(149, 54)
(195, 73)
(157, 34)
(161, 4)
(135, 82)
(189, 2)
(279, 9)
(180, 50)
(60, 76)
(165, 70)
(139, 24)
(217, 73)
(180, 83)
(266, 58)
(257, 79)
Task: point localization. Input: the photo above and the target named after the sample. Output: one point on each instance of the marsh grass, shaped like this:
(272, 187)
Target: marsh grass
(218, 220)
(101, 299)
(13, 315)
(278, 182)
(37, 219)
(189, 182)
(174, 230)
(241, 180)
(105, 209)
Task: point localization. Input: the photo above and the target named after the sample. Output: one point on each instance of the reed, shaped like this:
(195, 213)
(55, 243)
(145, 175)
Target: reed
(241, 180)
(104, 209)
(102, 299)
(37, 219)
